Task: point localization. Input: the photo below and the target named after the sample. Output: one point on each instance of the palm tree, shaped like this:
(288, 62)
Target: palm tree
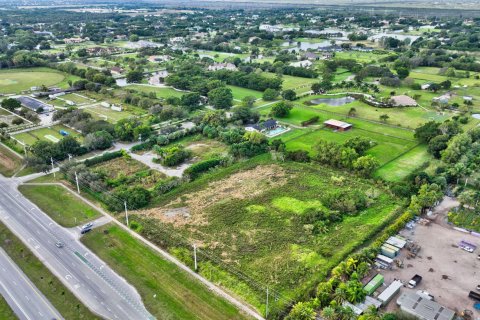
(329, 313)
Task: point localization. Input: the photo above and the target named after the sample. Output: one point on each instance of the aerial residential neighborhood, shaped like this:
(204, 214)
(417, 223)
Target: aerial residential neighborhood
(226, 159)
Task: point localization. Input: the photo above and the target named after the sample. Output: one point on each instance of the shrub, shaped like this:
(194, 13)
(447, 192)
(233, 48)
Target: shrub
(196, 169)
(310, 121)
(104, 157)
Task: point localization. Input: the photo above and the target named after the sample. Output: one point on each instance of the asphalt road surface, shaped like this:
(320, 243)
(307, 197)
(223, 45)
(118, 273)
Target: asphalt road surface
(96, 285)
(26, 301)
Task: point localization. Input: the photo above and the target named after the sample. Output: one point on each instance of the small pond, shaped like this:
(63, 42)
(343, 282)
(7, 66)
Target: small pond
(476, 115)
(335, 102)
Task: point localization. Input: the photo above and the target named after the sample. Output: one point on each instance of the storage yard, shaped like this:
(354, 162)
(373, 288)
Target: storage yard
(434, 251)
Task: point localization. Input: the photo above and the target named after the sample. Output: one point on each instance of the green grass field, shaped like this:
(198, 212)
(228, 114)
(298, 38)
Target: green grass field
(411, 117)
(364, 57)
(239, 93)
(107, 114)
(159, 91)
(9, 162)
(386, 148)
(400, 168)
(53, 289)
(16, 80)
(167, 292)
(60, 204)
(78, 99)
(298, 84)
(51, 134)
(248, 216)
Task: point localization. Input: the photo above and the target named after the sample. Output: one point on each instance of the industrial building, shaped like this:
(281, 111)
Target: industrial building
(423, 308)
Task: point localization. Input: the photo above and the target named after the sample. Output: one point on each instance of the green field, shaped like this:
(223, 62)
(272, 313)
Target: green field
(51, 134)
(53, 289)
(60, 204)
(9, 162)
(159, 91)
(167, 292)
(386, 148)
(298, 84)
(107, 114)
(6, 313)
(16, 80)
(239, 93)
(78, 99)
(400, 168)
(249, 216)
(411, 117)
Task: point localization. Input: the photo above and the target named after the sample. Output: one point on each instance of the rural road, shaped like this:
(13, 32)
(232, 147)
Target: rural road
(96, 285)
(26, 301)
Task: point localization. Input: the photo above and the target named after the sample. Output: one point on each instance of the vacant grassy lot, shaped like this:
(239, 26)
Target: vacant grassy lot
(160, 92)
(6, 312)
(60, 297)
(16, 80)
(60, 204)
(9, 162)
(239, 93)
(167, 292)
(401, 167)
(51, 134)
(250, 217)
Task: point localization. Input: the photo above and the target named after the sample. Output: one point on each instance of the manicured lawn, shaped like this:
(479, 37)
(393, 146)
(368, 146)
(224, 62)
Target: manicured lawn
(60, 297)
(248, 217)
(167, 292)
(160, 92)
(51, 134)
(9, 162)
(16, 80)
(401, 167)
(60, 204)
(239, 93)
(6, 312)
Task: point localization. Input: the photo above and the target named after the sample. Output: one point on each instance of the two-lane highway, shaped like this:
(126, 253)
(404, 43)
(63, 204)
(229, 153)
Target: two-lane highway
(26, 301)
(95, 284)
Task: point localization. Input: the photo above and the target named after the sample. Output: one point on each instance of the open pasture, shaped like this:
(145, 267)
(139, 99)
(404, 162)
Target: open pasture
(17, 80)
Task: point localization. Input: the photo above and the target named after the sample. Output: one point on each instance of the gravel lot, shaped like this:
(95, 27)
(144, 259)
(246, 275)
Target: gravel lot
(439, 257)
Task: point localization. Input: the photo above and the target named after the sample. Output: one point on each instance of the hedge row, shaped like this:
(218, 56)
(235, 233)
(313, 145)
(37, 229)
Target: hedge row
(310, 121)
(104, 157)
(196, 169)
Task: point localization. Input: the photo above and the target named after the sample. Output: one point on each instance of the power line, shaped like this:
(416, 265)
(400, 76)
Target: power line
(253, 283)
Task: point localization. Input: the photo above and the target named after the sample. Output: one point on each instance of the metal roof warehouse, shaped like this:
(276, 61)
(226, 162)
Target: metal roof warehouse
(423, 308)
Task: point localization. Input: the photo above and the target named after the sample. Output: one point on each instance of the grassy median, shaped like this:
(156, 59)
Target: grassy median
(168, 293)
(60, 204)
(5, 311)
(60, 297)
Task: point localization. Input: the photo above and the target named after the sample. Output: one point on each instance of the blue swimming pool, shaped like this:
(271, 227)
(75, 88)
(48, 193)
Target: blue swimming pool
(275, 132)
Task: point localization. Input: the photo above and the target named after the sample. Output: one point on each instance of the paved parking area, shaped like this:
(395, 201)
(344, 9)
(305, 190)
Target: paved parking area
(449, 273)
